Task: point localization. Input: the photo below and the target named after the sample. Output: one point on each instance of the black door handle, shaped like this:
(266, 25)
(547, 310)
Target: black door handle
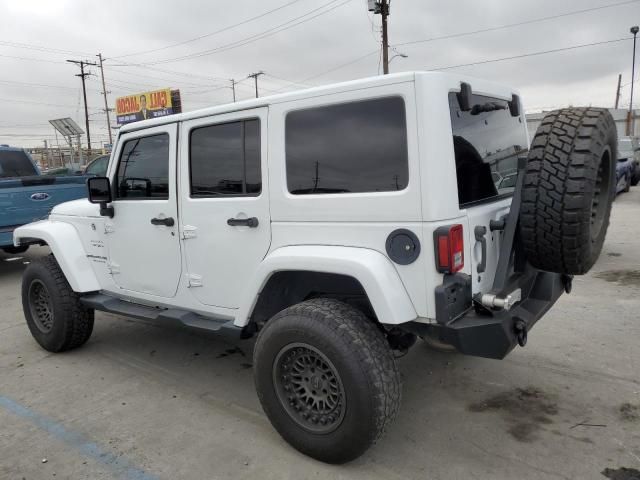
(243, 222)
(480, 231)
(169, 222)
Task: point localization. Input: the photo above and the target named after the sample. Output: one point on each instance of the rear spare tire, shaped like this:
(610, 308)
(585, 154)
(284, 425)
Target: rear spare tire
(568, 189)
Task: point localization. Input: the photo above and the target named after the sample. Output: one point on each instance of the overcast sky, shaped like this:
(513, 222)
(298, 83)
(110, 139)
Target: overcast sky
(299, 43)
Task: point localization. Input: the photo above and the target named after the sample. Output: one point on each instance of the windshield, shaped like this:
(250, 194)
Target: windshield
(487, 142)
(15, 163)
(98, 166)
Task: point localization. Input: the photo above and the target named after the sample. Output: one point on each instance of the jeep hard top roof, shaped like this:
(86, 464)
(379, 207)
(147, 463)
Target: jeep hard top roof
(329, 89)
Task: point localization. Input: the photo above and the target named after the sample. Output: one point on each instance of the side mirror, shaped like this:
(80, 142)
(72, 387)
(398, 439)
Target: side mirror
(100, 193)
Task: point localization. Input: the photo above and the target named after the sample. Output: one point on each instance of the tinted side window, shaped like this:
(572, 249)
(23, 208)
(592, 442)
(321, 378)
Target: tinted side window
(143, 170)
(225, 159)
(14, 163)
(348, 148)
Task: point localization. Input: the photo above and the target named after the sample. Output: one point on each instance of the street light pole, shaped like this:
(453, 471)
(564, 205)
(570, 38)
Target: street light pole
(630, 119)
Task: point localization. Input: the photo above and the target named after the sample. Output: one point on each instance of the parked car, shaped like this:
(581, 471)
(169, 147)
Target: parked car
(624, 174)
(98, 166)
(26, 195)
(629, 149)
(337, 224)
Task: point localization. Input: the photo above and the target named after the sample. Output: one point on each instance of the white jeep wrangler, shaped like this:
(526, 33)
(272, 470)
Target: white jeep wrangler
(338, 224)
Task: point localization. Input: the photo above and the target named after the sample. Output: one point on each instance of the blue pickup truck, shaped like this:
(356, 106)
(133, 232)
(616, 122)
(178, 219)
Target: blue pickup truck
(26, 195)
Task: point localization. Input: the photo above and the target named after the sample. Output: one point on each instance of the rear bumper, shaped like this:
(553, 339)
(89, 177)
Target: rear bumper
(493, 334)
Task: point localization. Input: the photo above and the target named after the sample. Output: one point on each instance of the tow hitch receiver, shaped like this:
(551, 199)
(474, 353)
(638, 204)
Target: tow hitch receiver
(494, 302)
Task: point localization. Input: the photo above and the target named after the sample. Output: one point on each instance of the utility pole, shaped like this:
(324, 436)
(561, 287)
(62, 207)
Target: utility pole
(82, 76)
(630, 119)
(106, 104)
(233, 88)
(618, 90)
(255, 78)
(46, 152)
(385, 37)
(381, 7)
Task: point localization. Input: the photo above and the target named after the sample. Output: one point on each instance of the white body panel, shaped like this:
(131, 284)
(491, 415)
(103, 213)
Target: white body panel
(221, 258)
(64, 241)
(373, 270)
(334, 233)
(145, 258)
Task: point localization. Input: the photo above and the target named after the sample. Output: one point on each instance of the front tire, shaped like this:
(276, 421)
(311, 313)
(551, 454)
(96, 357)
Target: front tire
(54, 314)
(327, 379)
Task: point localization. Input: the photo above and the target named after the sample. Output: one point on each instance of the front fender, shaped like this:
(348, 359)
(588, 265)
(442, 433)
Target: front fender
(374, 271)
(65, 244)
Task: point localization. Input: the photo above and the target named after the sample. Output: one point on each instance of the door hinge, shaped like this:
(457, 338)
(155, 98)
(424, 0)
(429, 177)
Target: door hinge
(194, 280)
(108, 228)
(113, 268)
(189, 231)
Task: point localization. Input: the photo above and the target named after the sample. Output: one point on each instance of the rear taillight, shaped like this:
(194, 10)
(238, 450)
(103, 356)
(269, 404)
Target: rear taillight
(449, 246)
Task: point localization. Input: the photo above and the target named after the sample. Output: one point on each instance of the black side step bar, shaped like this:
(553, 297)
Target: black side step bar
(107, 303)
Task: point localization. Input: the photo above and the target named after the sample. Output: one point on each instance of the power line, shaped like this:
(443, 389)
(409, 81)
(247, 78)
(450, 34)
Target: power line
(461, 34)
(533, 54)
(26, 84)
(12, 100)
(45, 60)
(517, 24)
(40, 48)
(229, 27)
(253, 38)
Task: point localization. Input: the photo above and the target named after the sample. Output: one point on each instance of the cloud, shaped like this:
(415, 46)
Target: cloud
(119, 27)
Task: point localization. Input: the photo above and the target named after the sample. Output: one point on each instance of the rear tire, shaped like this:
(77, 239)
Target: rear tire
(13, 250)
(569, 186)
(327, 379)
(54, 314)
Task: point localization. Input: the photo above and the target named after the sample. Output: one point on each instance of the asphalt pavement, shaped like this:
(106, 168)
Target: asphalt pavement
(145, 402)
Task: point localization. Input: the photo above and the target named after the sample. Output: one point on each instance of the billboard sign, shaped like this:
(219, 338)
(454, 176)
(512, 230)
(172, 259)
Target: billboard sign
(143, 106)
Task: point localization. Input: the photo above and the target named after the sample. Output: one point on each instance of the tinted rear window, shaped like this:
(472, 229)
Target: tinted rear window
(15, 164)
(487, 145)
(348, 148)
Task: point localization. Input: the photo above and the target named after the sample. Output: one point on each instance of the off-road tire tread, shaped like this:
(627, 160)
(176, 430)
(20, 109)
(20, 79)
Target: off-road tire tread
(558, 187)
(78, 318)
(368, 344)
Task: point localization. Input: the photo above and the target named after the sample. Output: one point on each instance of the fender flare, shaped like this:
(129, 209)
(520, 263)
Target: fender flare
(373, 270)
(66, 246)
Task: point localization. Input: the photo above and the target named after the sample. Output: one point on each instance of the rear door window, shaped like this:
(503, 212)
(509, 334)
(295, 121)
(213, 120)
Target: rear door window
(487, 142)
(224, 159)
(15, 163)
(348, 148)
